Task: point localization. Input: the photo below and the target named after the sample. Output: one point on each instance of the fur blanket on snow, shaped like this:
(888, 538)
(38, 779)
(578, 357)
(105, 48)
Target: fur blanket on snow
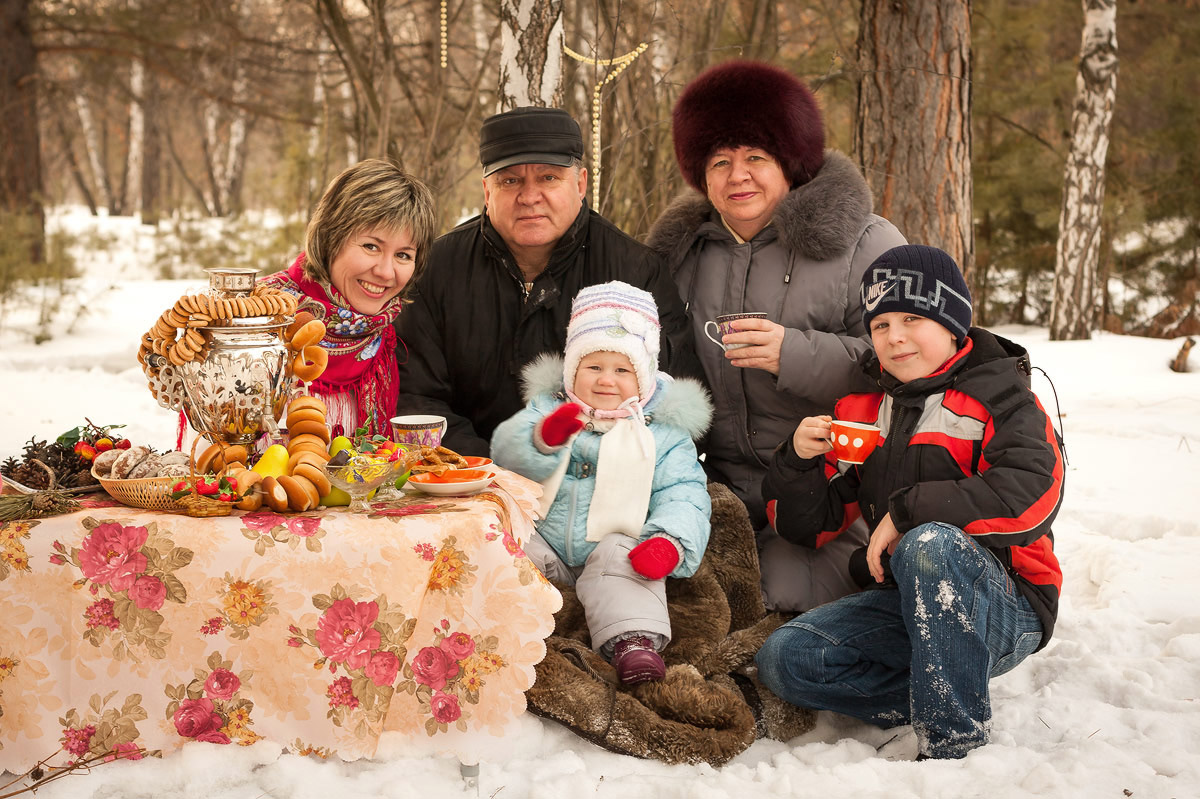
(710, 707)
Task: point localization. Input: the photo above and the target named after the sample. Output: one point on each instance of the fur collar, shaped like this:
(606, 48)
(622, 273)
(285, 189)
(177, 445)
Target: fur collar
(679, 402)
(818, 220)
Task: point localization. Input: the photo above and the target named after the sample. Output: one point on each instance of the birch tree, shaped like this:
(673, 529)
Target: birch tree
(1076, 287)
(913, 125)
(93, 144)
(531, 53)
(137, 132)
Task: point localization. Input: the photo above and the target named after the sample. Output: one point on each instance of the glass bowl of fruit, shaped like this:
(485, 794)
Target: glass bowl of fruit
(360, 474)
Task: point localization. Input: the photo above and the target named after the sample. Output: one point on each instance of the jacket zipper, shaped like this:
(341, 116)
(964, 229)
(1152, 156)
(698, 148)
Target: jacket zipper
(895, 453)
(569, 536)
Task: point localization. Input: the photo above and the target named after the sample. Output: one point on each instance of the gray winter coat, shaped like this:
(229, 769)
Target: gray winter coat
(804, 271)
(679, 503)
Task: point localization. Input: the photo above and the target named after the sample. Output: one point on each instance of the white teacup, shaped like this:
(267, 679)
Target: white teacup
(424, 430)
(724, 326)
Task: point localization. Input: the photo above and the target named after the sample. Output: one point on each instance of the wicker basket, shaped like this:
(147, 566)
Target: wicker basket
(151, 493)
(203, 507)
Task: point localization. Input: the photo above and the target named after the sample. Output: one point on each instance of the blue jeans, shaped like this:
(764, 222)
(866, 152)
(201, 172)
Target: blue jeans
(921, 653)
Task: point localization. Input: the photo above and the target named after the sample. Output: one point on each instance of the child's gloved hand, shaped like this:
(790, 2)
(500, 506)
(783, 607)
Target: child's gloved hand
(654, 558)
(560, 424)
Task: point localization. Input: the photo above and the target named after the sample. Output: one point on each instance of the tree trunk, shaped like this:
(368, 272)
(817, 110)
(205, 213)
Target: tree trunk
(94, 146)
(531, 53)
(235, 156)
(1075, 287)
(913, 126)
(760, 20)
(137, 134)
(211, 148)
(73, 164)
(20, 158)
(151, 183)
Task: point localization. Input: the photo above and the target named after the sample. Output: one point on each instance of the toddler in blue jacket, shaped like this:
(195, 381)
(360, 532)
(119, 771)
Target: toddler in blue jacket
(624, 504)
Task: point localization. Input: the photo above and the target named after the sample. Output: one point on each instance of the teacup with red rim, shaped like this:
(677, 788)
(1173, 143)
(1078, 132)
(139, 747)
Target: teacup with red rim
(853, 441)
(724, 326)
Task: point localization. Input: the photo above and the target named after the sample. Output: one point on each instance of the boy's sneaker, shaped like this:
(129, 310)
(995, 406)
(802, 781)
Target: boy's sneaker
(636, 661)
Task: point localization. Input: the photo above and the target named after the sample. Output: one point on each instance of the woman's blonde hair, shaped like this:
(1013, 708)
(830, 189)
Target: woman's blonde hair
(370, 194)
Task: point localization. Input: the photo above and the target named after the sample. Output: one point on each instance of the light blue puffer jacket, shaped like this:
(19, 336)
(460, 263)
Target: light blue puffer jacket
(678, 412)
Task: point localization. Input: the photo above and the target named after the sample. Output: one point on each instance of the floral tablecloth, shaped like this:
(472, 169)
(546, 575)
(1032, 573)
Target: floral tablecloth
(123, 629)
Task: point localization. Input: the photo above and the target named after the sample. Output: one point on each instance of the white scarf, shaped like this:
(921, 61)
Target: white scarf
(624, 475)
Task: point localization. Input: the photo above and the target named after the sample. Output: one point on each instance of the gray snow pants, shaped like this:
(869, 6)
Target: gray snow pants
(617, 601)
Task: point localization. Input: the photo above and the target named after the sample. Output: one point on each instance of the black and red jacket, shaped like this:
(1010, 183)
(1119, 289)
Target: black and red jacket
(969, 445)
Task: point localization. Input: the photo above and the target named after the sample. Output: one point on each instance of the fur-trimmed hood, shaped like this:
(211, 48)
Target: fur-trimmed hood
(818, 220)
(679, 402)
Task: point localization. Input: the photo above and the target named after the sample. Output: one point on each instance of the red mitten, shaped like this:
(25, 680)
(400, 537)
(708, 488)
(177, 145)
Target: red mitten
(654, 558)
(561, 423)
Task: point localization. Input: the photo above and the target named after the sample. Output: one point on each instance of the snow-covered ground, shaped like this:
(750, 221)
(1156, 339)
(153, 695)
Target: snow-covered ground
(1111, 708)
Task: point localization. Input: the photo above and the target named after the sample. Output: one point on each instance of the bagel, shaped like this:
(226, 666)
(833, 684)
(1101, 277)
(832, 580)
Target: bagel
(247, 481)
(253, 499)
(274, 495)
(298, 498)
(307, 401)
(306, 456)
(319, 429)
(205, 460)
(302, 318)
(314, 493)
(316, 476)
(305, 438)
(306, 415)
(316, 448)
(308, 334)
(310, 363)
(233, 454)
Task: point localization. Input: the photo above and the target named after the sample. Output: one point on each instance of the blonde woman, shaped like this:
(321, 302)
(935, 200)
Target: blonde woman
(366, 243)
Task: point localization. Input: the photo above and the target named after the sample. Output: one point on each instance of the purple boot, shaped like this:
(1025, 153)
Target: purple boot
(636, 661)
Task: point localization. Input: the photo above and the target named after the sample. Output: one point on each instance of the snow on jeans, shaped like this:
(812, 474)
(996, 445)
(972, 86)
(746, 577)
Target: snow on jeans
(922, 654)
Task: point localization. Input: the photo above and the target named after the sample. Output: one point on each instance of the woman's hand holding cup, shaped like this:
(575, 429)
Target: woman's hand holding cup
(811, 438)
(749, 338)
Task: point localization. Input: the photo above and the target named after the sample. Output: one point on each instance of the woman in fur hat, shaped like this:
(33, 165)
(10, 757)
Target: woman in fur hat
(624, 498)
(782, 227)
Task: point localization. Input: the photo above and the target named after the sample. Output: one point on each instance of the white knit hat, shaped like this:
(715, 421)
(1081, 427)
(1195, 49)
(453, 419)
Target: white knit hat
(614, 317)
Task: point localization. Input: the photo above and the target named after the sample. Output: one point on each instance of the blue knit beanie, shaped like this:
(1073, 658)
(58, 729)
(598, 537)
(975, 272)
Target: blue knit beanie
(918, 280)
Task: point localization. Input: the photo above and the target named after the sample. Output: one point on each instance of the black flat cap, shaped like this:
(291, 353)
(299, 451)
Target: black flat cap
(529, 135)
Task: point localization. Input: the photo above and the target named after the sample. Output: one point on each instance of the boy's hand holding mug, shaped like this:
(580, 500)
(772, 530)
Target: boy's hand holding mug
(560, 424)
(812, 436)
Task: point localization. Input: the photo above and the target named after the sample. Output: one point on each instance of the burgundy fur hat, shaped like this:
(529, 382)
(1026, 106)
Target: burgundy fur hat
(748, 104)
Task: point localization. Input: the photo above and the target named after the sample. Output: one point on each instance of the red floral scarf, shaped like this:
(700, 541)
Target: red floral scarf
(362, 349)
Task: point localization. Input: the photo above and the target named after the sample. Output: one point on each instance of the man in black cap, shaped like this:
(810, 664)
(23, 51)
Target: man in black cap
(497, 289)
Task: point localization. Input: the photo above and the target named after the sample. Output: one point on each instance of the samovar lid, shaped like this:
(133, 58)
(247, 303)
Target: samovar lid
(232, 281)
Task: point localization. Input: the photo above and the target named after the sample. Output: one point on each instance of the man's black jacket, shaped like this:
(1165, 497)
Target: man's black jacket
(472, 327)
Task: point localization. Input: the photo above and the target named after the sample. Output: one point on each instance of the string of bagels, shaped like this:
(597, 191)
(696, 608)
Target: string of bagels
(178, 335)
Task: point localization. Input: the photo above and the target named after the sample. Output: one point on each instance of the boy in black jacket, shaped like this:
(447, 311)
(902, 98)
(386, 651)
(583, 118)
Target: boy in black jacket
(960, 493)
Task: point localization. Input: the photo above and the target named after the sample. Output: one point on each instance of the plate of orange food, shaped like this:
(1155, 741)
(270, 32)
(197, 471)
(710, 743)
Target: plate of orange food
(452, 482)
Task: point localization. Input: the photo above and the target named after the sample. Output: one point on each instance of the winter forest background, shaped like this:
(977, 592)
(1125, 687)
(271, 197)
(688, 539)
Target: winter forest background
(182, 111)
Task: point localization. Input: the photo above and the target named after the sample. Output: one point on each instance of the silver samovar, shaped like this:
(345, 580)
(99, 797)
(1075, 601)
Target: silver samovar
(245, 377)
